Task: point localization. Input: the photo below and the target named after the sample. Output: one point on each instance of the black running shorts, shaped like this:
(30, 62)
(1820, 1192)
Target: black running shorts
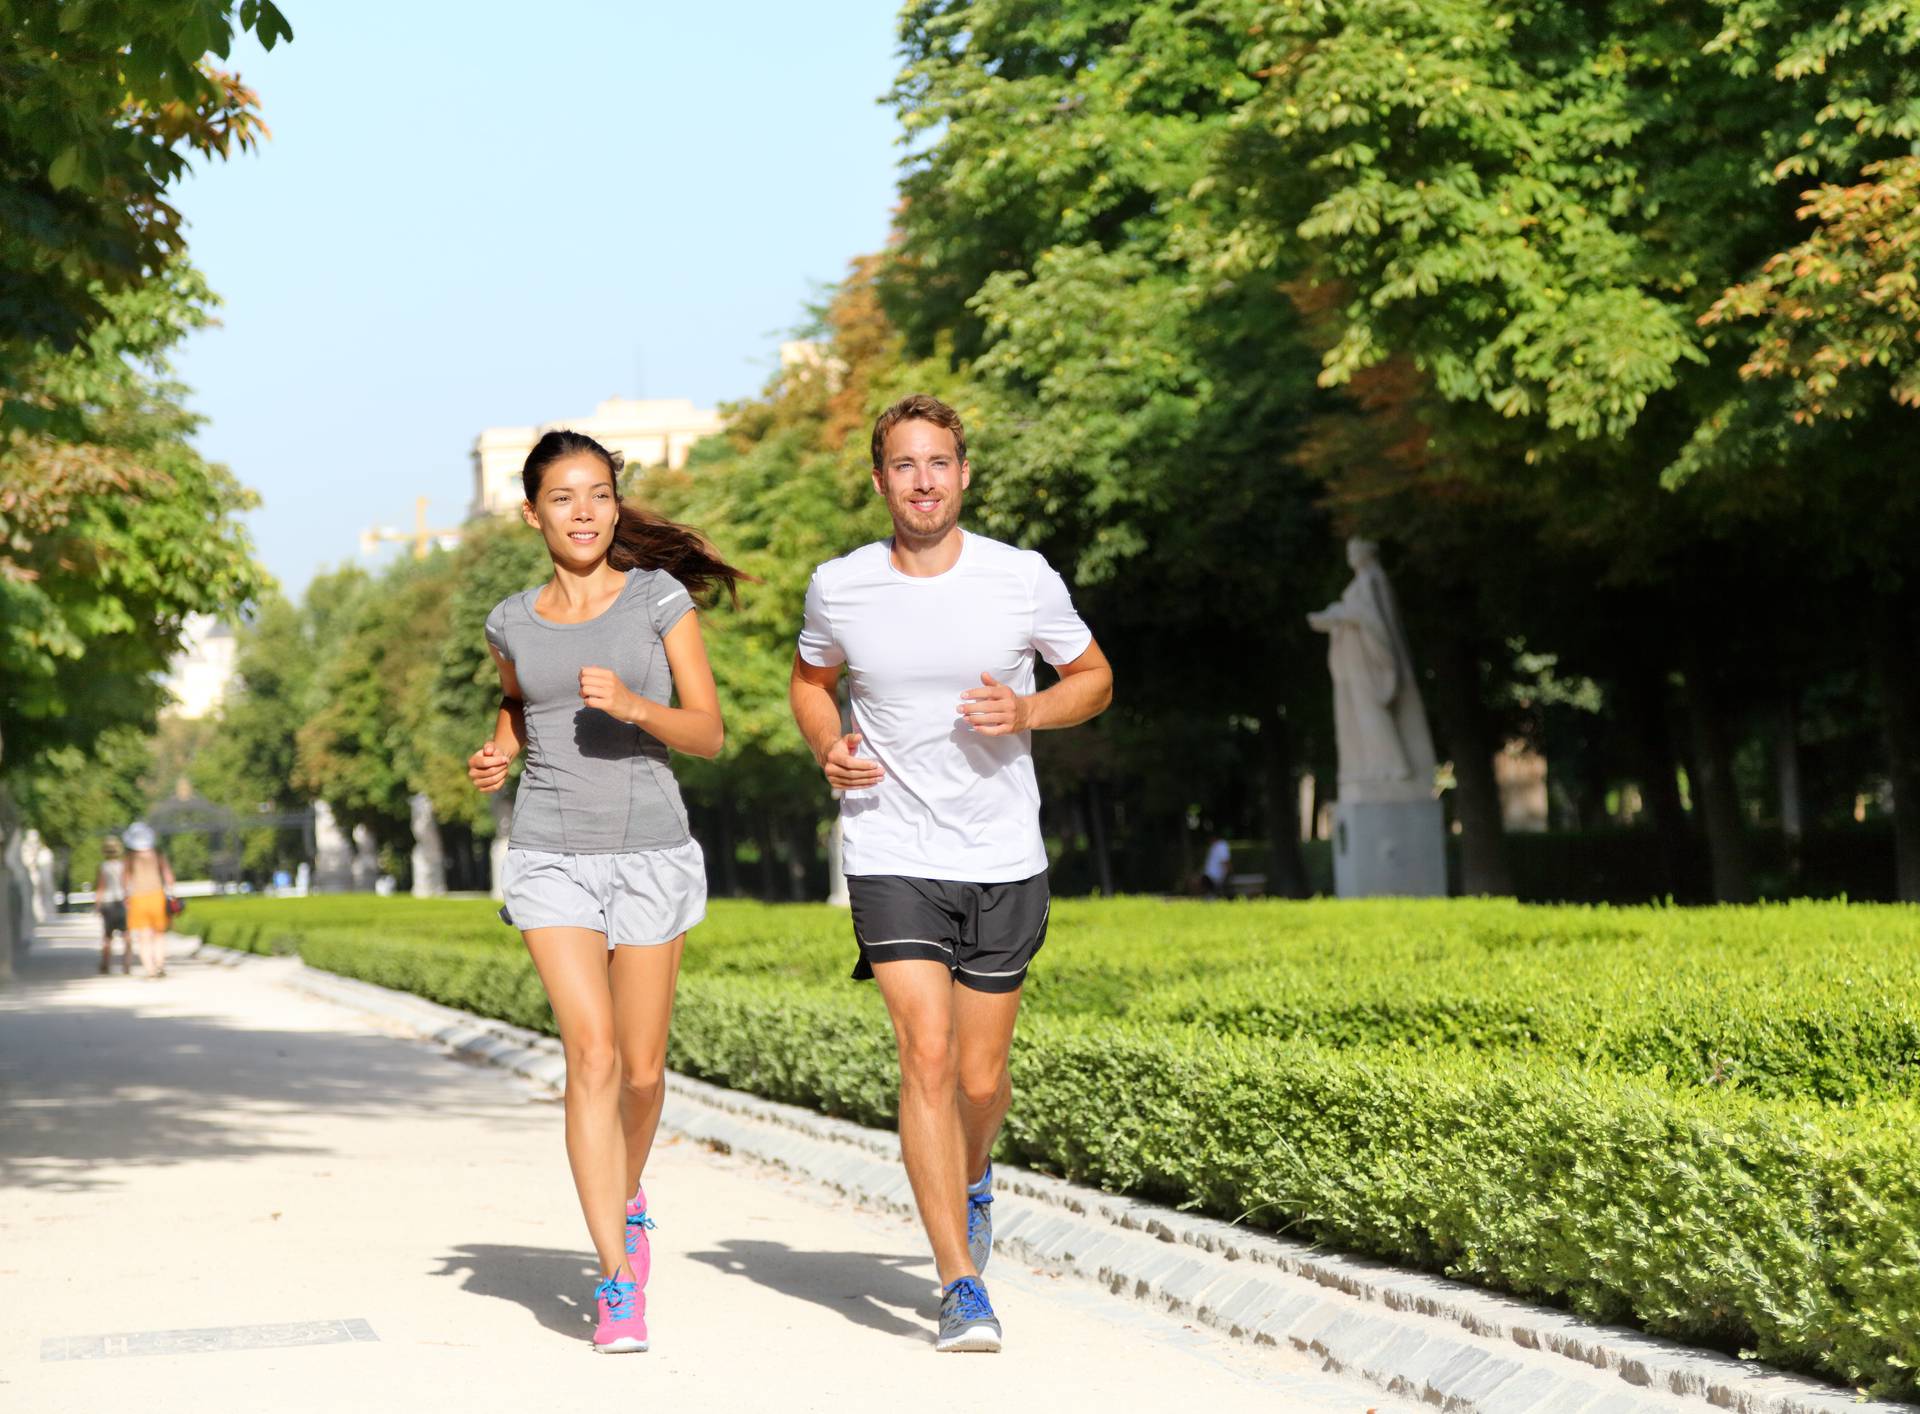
(986, 934)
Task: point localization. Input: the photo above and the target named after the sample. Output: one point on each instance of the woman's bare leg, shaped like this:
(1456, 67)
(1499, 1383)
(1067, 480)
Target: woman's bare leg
(573, 966)
(643, 981)
(143, 940)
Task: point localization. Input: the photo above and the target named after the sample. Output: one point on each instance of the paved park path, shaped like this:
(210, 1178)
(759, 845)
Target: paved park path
(219, 1154)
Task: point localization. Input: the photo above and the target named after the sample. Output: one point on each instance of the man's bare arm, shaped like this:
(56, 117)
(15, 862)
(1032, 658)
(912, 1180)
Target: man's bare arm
(1084, 691)
(816, 711)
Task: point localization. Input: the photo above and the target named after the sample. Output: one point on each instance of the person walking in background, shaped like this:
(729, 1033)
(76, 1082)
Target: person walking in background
(149, 880)
(602, 877)
(1214, 872)
(110, 902)
(940, 816)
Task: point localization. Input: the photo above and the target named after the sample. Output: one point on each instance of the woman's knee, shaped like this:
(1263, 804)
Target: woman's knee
(644, 1081)
(593, 1063)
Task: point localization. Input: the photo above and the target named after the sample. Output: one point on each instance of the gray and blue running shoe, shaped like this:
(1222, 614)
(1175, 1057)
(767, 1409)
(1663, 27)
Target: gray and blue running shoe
(980, 1220)
(967, 1321)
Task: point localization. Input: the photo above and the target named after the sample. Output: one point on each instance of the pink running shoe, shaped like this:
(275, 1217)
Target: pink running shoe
(623, 1317)
(639, 1251)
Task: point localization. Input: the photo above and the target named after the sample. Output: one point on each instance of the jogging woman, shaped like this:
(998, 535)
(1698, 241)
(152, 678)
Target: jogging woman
(602, 878)
(149, 879)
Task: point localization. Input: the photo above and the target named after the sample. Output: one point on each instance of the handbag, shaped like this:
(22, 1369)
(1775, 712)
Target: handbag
(174, 907)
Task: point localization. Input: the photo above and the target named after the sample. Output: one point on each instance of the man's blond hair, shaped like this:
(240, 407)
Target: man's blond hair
(917, 407)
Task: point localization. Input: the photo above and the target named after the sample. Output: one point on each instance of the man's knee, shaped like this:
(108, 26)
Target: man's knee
(927, 1060)
(982, 1085)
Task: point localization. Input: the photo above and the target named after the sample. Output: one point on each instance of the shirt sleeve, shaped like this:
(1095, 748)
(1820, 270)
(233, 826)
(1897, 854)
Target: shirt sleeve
(669, 602)
(1059, 633)
(497, 631)
(817, 643)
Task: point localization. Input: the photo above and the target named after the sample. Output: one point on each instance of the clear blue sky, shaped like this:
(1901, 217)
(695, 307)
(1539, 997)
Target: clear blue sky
(485, 214)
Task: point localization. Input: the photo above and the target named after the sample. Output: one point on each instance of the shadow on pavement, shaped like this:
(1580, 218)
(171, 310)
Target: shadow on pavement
(868, 1288)
(96, 1074)
(555, 1286)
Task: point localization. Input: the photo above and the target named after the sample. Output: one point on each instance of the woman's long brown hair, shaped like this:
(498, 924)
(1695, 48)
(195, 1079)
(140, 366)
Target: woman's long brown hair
(641, 539)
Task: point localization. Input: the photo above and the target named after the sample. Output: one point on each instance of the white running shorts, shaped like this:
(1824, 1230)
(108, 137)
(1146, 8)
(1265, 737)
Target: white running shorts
(642, 899)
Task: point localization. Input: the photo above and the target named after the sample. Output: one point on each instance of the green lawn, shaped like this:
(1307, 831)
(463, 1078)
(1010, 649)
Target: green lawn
(1702, 1121)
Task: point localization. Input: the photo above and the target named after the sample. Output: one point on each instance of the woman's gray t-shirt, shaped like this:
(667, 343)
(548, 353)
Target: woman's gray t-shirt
(593, 784)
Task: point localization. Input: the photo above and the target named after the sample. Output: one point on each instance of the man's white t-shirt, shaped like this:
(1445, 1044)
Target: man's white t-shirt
(953, 804)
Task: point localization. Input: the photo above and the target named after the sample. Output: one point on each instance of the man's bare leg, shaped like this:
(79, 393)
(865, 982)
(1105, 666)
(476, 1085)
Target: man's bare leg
(983, 1034)
(920, 1000)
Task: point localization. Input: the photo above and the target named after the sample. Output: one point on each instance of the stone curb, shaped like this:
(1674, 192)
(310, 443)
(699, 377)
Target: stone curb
(1418, 1336)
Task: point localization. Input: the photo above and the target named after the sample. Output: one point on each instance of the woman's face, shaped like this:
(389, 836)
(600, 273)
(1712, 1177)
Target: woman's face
(576, 510)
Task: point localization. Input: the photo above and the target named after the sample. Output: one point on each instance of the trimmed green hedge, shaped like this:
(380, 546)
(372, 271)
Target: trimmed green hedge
(1703, 1122)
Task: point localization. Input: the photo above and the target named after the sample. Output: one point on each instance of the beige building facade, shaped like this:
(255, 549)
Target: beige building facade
(198, 677)
(647, 431)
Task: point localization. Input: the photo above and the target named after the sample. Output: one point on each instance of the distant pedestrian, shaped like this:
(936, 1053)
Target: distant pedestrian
(602, 877)
(110, 902)
(940, 809)
(1214, 873)
(149, 882)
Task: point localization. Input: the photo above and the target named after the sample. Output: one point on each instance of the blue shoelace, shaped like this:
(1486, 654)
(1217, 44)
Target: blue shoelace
(970, 1300)
(977, 1212)
(619, 1297)
(640, 1220)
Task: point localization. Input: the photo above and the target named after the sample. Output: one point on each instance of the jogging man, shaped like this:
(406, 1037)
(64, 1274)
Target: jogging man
(940, 811)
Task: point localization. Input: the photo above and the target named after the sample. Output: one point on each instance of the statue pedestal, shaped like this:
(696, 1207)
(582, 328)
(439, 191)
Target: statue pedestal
(1389, 848)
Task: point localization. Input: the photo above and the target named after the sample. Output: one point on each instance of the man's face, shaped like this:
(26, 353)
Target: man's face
(922, 479)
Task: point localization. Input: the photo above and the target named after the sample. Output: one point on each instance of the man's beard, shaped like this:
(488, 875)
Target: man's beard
(919, 526)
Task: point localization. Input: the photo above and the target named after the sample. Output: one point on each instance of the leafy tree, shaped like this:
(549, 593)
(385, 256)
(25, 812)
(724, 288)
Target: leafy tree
(496, 558)
(364, 747)
(84, 795)
(111, 538)
(104, 106)
(1536, 206)
(1135, 419)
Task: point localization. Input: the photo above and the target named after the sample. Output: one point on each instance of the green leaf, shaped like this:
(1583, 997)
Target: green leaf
(273, 26)
(68, 168)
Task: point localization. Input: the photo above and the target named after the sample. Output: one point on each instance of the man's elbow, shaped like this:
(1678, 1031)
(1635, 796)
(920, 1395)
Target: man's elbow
(1103, 698)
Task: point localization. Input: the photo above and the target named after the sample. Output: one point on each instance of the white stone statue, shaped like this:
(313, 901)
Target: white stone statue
(1389, 832)
(366, 859)
(429, 855)
(332, 852)
(1380, 728)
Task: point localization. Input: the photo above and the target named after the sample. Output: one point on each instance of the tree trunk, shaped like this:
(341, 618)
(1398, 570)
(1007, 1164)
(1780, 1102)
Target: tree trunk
(1786, 771)
(1714, 793)
(763, 836)
(11, 936)
(729, 851)
(1097, 836)
(1286, 870)
(801, 844)
(1786, 766)
(1643, 713)
(1467, 729)
(1897, 685)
